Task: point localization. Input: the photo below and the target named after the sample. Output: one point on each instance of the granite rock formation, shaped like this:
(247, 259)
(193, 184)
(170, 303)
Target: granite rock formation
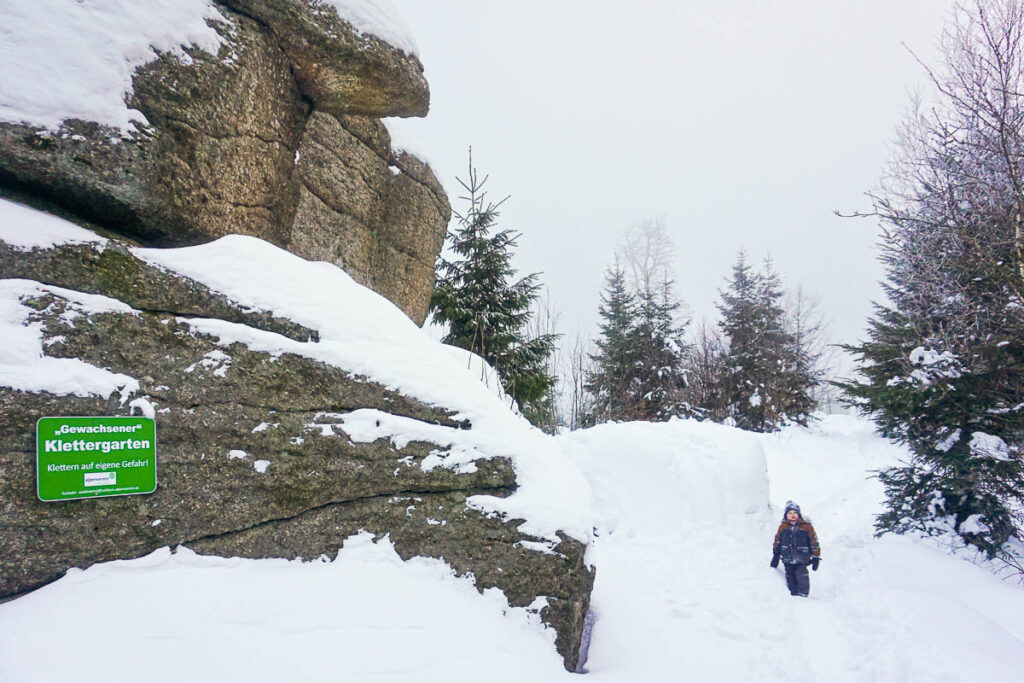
(277, 136)
(253, 461)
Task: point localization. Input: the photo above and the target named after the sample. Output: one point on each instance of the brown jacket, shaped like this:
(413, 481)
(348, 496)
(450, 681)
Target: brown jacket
(801, 525)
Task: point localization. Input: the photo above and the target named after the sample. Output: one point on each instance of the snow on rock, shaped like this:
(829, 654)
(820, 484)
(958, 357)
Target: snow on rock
(378, 18)
(215, 360)
(365, 334)
(404, 138)
(22, 364)
(25, 228)
(483, 371)
(144, 407)
(65, 59)
(551, 494)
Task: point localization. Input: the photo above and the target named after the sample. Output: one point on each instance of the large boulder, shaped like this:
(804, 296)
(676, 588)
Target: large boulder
(235, 141)
(256, 458)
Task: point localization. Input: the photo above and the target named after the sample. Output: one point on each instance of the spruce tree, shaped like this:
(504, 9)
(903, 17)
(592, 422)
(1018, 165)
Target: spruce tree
(740, 323)
(949, 384)
(612, 378)
(943, 367)
(487, 310)
(791, 365)
(638, 372)
(769, 372)
(660, 353)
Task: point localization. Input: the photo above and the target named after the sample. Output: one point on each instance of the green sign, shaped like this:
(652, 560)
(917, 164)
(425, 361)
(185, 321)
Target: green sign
(90, 457)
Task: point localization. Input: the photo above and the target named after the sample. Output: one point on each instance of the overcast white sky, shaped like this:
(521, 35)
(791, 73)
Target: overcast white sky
(744, 123)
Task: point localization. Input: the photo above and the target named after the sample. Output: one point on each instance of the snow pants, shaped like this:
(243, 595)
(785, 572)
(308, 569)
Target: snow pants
(798, 580)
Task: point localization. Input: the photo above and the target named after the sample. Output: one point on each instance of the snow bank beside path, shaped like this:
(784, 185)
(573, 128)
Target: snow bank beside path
(658, 478)
(363, 616)
(677, 595)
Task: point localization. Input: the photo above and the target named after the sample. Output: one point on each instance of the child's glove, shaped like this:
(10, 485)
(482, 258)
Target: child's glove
(815, 562)
(775, 561)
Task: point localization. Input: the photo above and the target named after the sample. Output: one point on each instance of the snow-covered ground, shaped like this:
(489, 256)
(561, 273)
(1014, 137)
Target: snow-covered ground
(684, 585)
(686, 514)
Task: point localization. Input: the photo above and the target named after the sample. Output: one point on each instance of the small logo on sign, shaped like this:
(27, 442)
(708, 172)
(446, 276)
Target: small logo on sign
(101, 479)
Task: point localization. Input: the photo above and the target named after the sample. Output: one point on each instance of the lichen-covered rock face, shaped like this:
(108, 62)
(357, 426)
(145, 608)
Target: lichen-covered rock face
(240, 143)
(379, 215)
(219, 409)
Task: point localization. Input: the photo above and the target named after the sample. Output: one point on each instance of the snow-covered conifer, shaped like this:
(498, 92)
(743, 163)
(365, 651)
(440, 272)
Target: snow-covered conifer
(486, 309)
(769, 372)
(943, 366)
(611, 377)
(639, 369)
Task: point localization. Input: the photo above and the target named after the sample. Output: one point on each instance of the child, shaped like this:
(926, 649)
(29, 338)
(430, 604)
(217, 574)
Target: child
(796, 545)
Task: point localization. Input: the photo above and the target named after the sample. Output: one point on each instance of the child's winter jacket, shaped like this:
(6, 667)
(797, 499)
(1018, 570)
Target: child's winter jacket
(796, 542)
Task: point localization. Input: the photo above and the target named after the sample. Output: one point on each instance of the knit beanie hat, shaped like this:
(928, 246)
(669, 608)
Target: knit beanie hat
(790, 505)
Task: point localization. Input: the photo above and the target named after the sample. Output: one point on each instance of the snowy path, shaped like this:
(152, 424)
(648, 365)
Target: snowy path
(673, 557)
(911, 611)
(684, 584)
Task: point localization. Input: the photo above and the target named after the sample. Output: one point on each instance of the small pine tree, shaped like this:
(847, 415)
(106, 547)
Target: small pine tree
(486, 309)
(638, 372)
(611, 378)
(792, 365)
(740, 323)
(661, 350)
(770, 372)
